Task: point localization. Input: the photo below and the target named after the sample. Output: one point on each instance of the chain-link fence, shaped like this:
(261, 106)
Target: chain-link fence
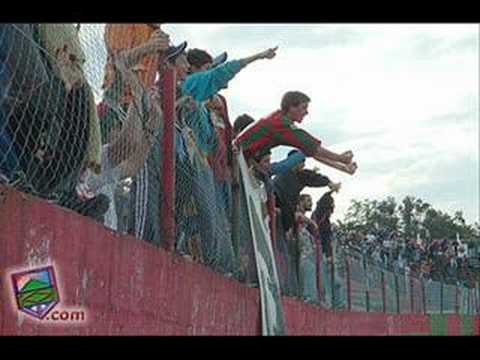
(369, 287)
(92, 119)
(85, 113)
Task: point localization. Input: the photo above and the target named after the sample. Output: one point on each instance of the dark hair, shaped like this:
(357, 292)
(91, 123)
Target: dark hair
(242, 122)
(198, 58)
(260, 154)
(324, 206)
(293, 98)
(303, 197)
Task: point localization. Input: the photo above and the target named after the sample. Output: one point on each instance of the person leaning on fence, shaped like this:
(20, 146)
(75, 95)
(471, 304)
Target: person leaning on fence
(146, 187)
(129, 147)
(241, 123)
(287, 188)
(326, 240)
(201, 86)
(20, 76)
(220, 158)
(279, 129)
(263, 170)
(215, 244)
(57, 130)
(321, 216)
(144, 44)
(289, 185)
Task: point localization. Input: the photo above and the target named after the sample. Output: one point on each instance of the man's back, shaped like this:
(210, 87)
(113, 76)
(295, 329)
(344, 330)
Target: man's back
(273, 130)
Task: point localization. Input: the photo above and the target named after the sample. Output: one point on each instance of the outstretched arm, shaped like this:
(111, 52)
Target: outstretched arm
(323, 153)
(158, 42)
(350, 169)
(267, 54)
(203, 85)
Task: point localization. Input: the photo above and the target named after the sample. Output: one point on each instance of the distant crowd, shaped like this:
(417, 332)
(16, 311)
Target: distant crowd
(446, 260)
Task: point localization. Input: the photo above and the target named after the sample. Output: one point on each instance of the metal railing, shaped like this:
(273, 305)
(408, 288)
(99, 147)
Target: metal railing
(353, 283)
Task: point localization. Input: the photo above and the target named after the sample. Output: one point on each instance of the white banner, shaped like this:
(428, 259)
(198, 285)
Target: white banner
(273, 322)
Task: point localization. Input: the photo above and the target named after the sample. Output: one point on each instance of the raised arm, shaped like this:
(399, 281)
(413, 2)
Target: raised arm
(267, 54)
(144, 118)
(157, 43)
(203, 85)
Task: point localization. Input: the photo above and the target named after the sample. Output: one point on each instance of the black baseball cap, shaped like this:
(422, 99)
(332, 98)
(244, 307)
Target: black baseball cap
(175, 51)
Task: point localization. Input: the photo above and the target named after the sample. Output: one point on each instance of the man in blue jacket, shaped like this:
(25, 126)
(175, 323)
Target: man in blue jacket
(200, 87)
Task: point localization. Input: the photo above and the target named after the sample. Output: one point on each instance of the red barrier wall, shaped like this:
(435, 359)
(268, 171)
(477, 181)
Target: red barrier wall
(127, 287)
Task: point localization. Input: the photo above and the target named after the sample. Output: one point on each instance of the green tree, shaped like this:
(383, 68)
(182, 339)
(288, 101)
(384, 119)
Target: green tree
(411, 217)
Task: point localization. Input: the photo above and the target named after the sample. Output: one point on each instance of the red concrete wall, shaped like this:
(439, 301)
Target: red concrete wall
(128, 287)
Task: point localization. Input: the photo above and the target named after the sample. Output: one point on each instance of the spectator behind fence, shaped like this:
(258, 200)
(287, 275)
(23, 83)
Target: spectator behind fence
(290, 184)
(279, 129)
(57, 131)
(263, 170)
(130, 146)
(201, 86)
(219, 159)
(146, 187)
(307, 254)
(20, 76)
(240, 123)
(212, 219)
(321, 215)
(287, 188)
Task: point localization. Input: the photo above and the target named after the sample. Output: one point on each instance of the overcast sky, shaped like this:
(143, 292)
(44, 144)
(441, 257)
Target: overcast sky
(403, 97)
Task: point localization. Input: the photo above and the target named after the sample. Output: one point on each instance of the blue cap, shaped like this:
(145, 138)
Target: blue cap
(219, 60)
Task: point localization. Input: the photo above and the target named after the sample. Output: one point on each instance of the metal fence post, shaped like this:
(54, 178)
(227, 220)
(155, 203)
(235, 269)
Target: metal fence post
(367, 284)
(320, 283)
(349, 289)
(468, 301)
(477, 298)
(384, 297)
(441, 297)
(412, 307)
(456, 300)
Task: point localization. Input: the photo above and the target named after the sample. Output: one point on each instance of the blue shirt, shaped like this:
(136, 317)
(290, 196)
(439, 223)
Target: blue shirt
(286, 164)
(201, 86)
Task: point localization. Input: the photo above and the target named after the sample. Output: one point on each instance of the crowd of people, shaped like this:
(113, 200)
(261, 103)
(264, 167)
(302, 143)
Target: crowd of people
(449, 261)
(104, 158)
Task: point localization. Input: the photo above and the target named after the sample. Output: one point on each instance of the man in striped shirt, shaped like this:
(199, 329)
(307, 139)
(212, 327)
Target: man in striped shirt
(279, 129)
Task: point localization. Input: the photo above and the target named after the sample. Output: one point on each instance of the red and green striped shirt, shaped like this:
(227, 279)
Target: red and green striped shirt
(274, 130)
